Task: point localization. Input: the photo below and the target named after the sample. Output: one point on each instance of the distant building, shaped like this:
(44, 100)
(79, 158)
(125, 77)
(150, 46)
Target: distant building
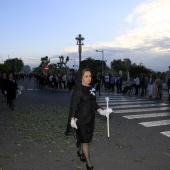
(26, 69)
(127, 62)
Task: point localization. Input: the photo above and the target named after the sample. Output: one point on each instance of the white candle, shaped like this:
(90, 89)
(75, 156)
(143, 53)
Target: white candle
(107, 101)
(108, 133)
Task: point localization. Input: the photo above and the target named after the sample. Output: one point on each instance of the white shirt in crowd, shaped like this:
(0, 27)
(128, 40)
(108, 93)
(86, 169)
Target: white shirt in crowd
(136, 80)
(106, 77)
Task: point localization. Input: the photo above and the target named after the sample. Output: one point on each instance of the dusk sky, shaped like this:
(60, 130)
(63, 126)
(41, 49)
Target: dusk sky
(134, 29)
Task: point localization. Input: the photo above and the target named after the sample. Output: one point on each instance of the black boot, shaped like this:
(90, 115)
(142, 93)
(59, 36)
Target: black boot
(89, 168)
(82, 157)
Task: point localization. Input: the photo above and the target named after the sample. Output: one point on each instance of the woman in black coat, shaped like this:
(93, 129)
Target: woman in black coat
(82, 114)
(11, 90)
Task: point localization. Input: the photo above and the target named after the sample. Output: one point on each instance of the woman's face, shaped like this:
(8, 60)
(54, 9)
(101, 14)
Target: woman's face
(86, 79)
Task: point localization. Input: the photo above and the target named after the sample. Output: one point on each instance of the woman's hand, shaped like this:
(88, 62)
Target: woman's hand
(105, 112)
(73, 123)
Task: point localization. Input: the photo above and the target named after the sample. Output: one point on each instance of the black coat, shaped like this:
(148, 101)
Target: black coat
(11, 89)
(86, 108)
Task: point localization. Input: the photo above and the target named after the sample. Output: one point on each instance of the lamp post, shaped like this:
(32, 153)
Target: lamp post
(102, 51)
(79, 39)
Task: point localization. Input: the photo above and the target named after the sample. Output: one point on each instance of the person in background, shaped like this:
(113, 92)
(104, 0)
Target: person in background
(146, 82)
(82, 114)
(160, 85)
(112, 82)
(97, 81)
(60, 80)
(168, 85)
(155, 89)
(3, 86)
(142, 84)
(120, 83)
(136, 83)
(64, 77)
(69, 81)
(11, 90)
(50, 80)
(150, 87)
(107, 80)
(117, 83)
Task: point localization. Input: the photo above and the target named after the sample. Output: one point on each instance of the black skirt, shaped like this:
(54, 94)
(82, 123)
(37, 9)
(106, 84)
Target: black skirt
(84, 133)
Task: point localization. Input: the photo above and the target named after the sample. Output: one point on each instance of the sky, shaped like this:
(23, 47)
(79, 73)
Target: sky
(134, 29)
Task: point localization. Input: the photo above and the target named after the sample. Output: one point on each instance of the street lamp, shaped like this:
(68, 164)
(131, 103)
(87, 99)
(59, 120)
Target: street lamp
(102, 51)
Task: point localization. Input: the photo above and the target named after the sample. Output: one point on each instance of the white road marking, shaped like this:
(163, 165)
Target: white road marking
(121, 100)
(141, 110)
(166, 133)
(146, 115)
(118, 102)
(155, 123)
(130, 106)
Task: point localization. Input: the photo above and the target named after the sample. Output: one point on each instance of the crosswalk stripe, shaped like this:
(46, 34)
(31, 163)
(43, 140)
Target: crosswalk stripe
(142, 110)
(126, 105)
(128, 102)
(121, 100)
(146, 115)
(166, 133)
(155, 123)
(131, 106)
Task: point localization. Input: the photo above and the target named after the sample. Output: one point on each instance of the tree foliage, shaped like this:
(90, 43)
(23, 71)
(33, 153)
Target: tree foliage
(44, 62)
(138, 70)
(117, 65)
(13, 64)
(94, 65)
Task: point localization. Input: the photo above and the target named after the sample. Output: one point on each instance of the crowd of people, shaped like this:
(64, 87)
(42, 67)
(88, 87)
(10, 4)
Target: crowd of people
(56, 81)
(143, 85)
(139, 85)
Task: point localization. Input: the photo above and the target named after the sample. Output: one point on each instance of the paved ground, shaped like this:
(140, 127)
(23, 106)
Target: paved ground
(32, 137)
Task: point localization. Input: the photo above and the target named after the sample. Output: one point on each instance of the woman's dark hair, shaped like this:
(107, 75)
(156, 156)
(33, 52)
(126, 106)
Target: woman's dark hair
(84, 70)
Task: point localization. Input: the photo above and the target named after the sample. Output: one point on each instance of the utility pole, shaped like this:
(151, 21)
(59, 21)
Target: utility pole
(79, 39)
(102, 51)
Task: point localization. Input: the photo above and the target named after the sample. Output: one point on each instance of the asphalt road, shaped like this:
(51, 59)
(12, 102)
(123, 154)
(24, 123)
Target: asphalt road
(136, 138)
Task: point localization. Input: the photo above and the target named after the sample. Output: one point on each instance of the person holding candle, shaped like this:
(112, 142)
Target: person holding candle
(82, 114)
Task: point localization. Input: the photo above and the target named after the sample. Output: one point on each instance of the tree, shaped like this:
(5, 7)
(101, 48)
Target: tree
(94, 65)
(138, 70)
(14, 64)
(117, 65)
(44, 62)
(53, 68)
(62, 65)
(2, 68)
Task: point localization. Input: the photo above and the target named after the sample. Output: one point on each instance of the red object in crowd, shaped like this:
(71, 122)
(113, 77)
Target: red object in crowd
(46, 68)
